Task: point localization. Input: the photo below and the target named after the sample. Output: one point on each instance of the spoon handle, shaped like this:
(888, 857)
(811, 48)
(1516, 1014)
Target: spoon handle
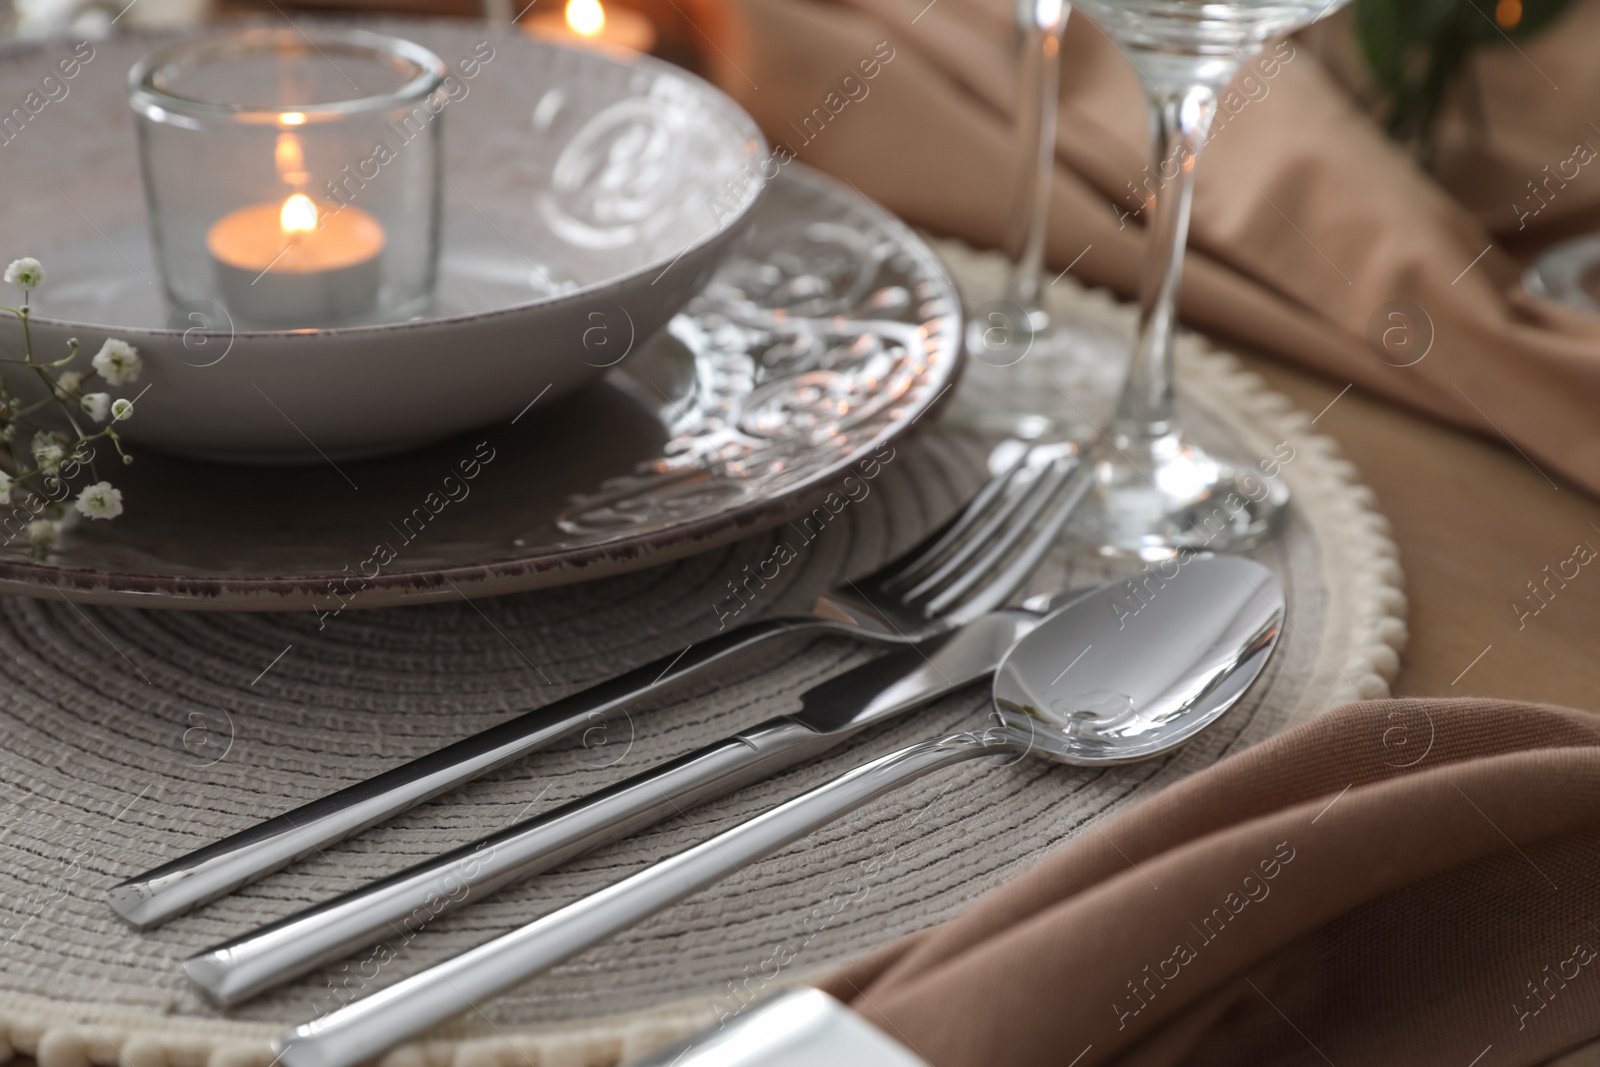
(364, 1029)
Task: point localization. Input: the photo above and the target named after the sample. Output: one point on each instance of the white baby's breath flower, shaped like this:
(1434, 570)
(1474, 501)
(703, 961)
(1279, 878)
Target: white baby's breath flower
(25, 273)
(48, 451)
(96, 405)
(99, 501)
(70, 382)
(5, 488)
(118, 362)
(121, 408)
(41, 535)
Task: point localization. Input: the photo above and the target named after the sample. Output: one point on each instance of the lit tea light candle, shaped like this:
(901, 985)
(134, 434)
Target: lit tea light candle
(297, 263)
(587, 22)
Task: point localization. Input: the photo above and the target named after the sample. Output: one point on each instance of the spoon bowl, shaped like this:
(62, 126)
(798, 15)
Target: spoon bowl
(1139, 668)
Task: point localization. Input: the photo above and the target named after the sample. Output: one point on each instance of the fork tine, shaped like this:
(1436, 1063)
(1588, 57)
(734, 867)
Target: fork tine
(998, 534)
(1042, 530)
(928, 554)
(1001, 519)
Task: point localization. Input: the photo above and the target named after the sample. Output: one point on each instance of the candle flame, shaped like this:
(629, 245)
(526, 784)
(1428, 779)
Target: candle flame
(586, 17)
(292, 118)
(299, 215)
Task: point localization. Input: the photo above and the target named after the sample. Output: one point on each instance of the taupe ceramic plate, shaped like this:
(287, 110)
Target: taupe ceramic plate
(830, 334)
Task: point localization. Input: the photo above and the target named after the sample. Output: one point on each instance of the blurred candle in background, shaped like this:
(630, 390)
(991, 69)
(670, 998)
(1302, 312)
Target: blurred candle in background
(590, 23)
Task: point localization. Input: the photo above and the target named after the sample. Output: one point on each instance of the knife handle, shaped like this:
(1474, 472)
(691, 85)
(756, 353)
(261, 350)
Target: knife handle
(165, 892)
(362, 1030)
(396, 907)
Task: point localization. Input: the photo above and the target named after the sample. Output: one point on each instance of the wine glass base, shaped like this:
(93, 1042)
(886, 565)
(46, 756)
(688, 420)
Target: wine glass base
(1036, 383)
(1171, 498)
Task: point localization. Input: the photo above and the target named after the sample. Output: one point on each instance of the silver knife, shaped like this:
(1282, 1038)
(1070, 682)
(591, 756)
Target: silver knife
(401, 904)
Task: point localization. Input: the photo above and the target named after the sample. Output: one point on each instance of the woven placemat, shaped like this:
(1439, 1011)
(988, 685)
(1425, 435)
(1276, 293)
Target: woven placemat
(128, 737)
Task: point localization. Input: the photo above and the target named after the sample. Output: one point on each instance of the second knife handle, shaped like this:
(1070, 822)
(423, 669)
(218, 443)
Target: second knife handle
(152, 898)
(397, 907)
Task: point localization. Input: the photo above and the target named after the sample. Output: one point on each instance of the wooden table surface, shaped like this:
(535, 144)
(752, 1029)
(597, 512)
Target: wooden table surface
(1476, 522)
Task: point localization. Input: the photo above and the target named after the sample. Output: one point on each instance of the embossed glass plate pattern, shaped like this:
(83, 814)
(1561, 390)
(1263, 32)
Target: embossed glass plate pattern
(827, 336)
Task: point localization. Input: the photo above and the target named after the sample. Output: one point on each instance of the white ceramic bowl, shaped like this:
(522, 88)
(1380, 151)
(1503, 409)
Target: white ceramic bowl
(587, 197)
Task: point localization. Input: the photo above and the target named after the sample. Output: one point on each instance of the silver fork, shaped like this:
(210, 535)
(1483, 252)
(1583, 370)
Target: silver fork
(967, 569)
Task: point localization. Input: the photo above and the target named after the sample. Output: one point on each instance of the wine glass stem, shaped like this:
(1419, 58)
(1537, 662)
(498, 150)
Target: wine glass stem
(1040, 92)
(1180, 119)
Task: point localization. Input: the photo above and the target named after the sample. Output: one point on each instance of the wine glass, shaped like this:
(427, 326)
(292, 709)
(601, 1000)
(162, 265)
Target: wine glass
(1157, 493)
(1020, 353)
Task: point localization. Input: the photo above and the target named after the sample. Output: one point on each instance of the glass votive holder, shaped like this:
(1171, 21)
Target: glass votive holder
(293, 177)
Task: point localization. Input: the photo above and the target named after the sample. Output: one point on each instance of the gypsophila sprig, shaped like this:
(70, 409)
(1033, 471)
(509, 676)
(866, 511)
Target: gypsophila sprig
(117, 362)
(99, 501)
(48, 431)
(49, 449)
(25, 273)
(41, 535)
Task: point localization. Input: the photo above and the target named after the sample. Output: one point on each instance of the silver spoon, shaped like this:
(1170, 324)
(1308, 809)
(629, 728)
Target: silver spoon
(1144, 669)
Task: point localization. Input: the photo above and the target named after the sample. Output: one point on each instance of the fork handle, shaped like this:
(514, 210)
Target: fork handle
(151, 898)
(363, 1029)
(397, 907)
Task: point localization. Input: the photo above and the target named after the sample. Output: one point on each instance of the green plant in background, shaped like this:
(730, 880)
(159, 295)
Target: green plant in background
(1418, 50)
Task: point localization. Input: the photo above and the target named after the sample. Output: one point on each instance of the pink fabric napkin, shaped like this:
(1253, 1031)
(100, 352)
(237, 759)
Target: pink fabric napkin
(1396, 882)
